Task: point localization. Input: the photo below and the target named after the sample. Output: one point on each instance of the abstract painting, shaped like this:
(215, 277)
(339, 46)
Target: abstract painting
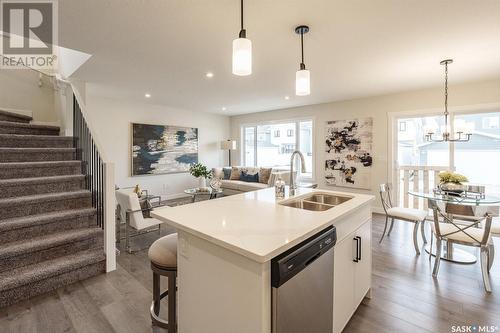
(349, 153)
(162, 149)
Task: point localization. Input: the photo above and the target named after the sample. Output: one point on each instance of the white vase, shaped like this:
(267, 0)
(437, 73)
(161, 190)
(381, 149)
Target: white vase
(202, 182)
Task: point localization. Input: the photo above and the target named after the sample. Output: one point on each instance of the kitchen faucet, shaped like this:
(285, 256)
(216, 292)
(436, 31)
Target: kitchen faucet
(293, 186)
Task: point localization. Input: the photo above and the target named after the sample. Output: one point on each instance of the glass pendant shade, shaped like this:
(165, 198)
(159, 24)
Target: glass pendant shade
(242, 56)
(303, 82)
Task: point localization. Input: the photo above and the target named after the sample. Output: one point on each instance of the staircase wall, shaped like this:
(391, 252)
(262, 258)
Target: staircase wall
(16, 84)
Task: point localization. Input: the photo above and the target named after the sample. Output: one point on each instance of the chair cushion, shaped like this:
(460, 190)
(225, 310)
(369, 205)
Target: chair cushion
(407, 213)
(238, 185)
(460, 236)
(247, 187)
(163, 252)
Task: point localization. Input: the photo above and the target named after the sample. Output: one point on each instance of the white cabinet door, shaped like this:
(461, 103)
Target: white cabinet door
(363, 268)
(343, 283)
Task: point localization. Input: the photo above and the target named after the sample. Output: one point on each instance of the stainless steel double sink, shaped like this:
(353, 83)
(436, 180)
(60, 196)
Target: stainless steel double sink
(317, 202)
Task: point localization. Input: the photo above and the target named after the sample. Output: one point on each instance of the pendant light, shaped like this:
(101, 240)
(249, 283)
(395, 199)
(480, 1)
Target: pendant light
(242, 52)
(303, 76)
(463, 133)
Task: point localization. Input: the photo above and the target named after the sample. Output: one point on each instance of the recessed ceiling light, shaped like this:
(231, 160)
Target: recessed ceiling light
(224, 108)
(287, 97)
(209, 75)
(147, 95)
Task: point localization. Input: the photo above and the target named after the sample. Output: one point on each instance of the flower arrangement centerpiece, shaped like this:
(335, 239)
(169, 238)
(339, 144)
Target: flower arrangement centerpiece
(451, 182)
(201, 172)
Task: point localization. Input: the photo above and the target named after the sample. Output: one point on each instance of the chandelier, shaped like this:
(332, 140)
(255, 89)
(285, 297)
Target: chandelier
(462, 134)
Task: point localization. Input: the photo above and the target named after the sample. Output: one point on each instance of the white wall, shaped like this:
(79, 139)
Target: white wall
(19, 90)
(111, 120)
(377, 107)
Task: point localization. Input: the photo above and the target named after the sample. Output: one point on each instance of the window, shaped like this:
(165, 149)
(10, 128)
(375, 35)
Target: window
(478, 159)
(249, 139)
(412, 147)
(402, 126)
(265, 147)
(491, 122)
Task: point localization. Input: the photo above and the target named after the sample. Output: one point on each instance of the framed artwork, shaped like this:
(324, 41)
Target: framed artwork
(163, 149)
(348, 147)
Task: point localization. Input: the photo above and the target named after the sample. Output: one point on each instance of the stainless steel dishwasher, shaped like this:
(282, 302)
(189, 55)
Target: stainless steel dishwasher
(302, 286)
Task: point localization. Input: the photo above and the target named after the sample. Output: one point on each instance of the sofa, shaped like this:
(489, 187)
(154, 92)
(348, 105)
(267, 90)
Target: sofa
(238, 179)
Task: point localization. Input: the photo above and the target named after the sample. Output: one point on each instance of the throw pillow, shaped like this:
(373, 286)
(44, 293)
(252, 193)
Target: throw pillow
(217, 172)
(227, 173)
(235, 173)
(264, 175)
(246, 177)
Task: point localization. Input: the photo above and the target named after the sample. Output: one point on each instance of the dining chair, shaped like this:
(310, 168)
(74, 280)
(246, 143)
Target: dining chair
(131, 212)
(416, 216)
(469, 234)
(495, 232)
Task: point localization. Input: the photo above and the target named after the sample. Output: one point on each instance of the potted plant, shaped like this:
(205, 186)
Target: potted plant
(201, 172)
(451, 182)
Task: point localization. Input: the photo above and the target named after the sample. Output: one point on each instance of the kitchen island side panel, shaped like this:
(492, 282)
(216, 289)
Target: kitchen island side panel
(221, 291)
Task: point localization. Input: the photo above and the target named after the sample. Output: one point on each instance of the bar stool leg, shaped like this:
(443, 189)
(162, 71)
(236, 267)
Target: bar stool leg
(156, 294)
(172, 302)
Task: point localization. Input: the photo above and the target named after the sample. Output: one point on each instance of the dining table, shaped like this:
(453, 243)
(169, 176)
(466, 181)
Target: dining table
(481, 204)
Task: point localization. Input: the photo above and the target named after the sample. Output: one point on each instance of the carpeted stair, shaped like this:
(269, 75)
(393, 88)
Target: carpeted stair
(48, 231)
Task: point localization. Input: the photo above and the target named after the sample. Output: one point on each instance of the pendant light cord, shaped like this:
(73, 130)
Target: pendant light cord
(302, 64)
(446, 95)
(243, 33)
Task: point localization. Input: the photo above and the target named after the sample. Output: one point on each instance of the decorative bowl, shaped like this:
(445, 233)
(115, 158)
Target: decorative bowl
(452, 188)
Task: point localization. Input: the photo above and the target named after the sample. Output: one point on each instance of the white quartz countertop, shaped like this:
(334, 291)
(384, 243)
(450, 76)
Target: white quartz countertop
(253, 224)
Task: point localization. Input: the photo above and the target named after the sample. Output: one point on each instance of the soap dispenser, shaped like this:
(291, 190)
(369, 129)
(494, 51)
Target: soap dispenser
(279, 188)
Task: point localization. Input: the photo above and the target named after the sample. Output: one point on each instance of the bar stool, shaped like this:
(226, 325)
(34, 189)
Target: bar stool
(163, 257)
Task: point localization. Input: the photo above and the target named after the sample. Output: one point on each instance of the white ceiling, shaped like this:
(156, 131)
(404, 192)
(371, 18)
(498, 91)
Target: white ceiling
(355, 48)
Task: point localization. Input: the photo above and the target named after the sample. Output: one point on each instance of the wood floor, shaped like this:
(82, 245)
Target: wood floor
(405, 296)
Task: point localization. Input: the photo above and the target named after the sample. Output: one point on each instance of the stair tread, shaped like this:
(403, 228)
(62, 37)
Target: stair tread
(31, 220)
(39, 180)
(37, 137)
(15, 115)
(49, 268)
(43, 197)
(38, 164)
(24, 125)
(36, 150)
(47, 241)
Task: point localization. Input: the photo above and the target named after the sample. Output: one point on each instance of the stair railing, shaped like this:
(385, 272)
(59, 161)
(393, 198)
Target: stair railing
(99, 177)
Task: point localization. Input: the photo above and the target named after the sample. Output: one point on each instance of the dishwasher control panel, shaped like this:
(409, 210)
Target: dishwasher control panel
(291, 262)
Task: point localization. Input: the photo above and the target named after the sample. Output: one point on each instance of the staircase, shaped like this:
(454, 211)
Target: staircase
(48, 228)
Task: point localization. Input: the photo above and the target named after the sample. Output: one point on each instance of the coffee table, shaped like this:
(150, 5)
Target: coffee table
(195, 192)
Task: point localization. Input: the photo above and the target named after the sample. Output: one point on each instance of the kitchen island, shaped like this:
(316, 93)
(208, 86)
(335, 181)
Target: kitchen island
(225, 247)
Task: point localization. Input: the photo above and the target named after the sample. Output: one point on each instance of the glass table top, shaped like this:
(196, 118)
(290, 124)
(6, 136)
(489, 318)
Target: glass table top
(196, 191)
(487, 200)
